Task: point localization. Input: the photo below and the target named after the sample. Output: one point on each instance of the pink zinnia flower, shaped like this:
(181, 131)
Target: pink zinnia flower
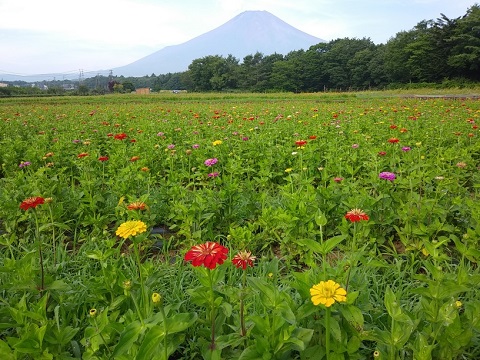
(211, 162)
(387, 176)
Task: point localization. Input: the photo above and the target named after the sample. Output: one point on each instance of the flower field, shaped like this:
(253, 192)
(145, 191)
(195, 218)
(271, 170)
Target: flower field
(279, 226)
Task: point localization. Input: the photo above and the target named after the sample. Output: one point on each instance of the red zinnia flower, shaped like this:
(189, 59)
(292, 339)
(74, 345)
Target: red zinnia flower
(393, 140)
(355, 215)
(382, 153)
(243, 259)
(120, 136)
(301, 143)
(312, 137)
(103, 158)
(82, 155)
(32, 202)
(209, 255)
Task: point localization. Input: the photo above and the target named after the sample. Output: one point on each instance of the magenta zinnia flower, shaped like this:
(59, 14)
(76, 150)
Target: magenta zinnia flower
(211, 162)
(387, 176)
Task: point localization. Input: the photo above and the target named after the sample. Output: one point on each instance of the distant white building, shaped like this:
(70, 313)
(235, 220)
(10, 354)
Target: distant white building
(3, 84)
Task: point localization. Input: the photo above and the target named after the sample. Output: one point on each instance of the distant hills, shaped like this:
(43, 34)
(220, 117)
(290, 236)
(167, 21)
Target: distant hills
(245, 34)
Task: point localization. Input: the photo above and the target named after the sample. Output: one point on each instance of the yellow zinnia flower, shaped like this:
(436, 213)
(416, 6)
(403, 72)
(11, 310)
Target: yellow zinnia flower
(131, 228)
(217, 142)
(327, 293)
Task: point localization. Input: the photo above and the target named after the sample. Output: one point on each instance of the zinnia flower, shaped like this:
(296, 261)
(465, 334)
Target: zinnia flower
(355, 215)
(327, 293)
(338, 179)
(213, 175)
(382, 153)
(355, 146)
(462, 164)
(24, 164)
(211, 162)
(387, 176)
(103, 158)
(82, 155)
(406, 148)
(134, 158)
(121, 136)
(217, 142)
(301, 143)
(243, 259)
(393, 140)
(209, 255)
(32, 202)
(137, 205)
(131, 228)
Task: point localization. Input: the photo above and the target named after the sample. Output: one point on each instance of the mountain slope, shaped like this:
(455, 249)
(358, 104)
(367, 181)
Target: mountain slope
(245, 34)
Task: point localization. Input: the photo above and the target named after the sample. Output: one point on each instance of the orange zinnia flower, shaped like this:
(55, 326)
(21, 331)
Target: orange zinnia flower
(134, 158)
(31, 202)
(355, 215)
(137, 205)
(209, 255)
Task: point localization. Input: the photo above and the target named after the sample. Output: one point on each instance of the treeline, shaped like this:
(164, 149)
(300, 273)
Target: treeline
(442, 51)
(434, 51)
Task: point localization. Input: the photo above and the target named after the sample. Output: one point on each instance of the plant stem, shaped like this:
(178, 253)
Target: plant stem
(242, 305)
(137, 256)
(40, 254)
(327, 332)
(212, 310)
(165, 329)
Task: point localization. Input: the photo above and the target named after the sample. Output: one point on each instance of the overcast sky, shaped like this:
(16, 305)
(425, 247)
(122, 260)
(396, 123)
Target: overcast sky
(64, 36)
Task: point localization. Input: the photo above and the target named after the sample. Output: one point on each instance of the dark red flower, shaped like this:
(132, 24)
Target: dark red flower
(32, 202)
(355, 215)
(209, 255)
(301, 143)
(382, 153)
(243, 259)
(393, 140)
(103, 158)
(121, 136)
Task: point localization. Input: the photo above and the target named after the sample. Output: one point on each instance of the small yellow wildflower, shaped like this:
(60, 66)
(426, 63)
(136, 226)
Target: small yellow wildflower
(217, 142)
(156, 298)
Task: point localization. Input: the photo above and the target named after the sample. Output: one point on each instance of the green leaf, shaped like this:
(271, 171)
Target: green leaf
(353, 315)
(392, 305)
(180, 322)
(6, 351)
(331, 243)
(128, 337)
(250, 353)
